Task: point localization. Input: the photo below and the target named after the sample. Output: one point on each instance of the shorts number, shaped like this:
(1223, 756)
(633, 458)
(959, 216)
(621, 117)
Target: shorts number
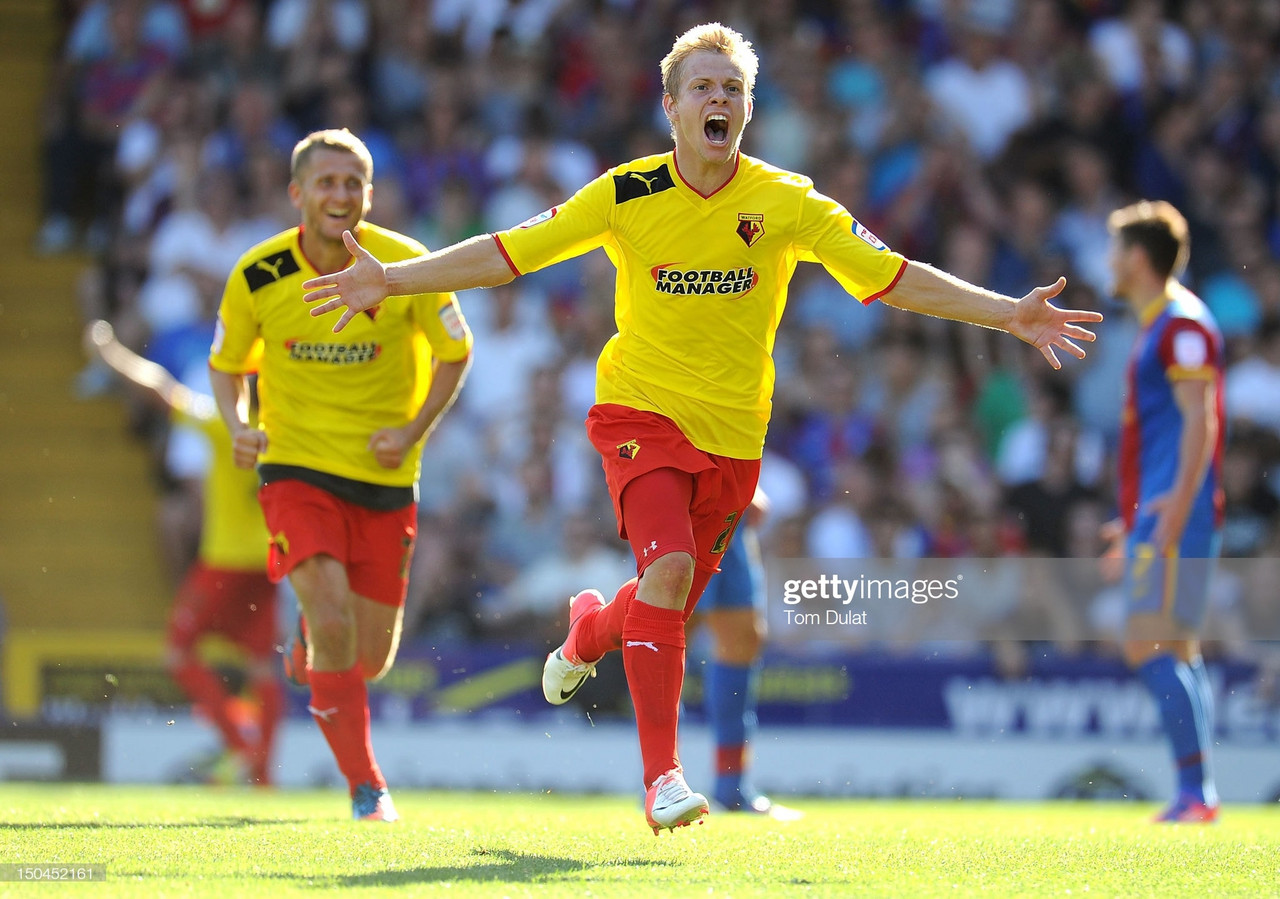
(723, 540)
(1143, 556)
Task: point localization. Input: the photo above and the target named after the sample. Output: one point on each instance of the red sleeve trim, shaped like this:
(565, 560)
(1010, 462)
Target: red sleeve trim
(503, 250)
(463, 358)
(892, 284)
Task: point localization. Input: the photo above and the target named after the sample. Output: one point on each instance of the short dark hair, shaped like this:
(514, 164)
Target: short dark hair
(1159, 229)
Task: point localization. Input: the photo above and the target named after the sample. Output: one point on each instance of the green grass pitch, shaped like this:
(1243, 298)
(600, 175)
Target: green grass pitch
(199, 841)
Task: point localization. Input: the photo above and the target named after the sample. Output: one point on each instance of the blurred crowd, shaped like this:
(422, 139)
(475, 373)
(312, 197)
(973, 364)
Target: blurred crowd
(989, 137)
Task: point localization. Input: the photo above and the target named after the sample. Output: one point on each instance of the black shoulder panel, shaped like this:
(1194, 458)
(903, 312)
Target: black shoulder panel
(271, 268)
(634, 185)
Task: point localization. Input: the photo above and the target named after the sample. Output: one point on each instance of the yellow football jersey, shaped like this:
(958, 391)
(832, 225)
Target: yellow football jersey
(322, 395)
(701, 284)
(233, 534)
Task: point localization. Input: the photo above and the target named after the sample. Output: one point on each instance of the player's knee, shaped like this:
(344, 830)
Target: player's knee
(667, 579)
(374, 664)
(739, 639)
(1138, 652)
(330, 631)
(748, 641)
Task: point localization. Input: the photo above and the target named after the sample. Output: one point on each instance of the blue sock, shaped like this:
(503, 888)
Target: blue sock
(1172, 686)
(1204, 694)
(730, 692)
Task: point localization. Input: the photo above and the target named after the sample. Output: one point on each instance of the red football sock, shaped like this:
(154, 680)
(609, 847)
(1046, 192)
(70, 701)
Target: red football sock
(210, 696)
(653, 656)
(731, 759)
(340, 705)
(270, 695)
(600, 630)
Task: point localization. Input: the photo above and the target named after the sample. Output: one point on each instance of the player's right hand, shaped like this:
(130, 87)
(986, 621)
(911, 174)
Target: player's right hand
(1111, 565)
(247, 445)
(1046, 326)
(360, 286)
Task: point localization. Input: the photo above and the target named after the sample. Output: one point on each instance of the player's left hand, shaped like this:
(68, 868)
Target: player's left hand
(388, 446)
(1045, 326)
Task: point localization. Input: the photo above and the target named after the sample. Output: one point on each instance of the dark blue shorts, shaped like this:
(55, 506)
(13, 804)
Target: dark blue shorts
(740, 583)
(1177, 586)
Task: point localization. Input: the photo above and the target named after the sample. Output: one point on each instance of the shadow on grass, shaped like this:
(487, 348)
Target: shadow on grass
(215, 822)
(499, 865)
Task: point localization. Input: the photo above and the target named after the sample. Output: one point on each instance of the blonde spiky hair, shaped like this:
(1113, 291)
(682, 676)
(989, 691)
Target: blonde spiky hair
(714, 37)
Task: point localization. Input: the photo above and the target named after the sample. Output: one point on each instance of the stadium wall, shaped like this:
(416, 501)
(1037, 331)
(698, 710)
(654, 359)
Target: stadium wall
(833, 725)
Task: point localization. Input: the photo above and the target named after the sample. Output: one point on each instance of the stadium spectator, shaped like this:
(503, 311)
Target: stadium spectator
(446, 158)
(512, 337)
(905, 390)
(193, 248)
(1081, 226)
(1142, 50)
(254, 124)
(292, 24)
(1253, 383)
(102, 88)
(690, 402)
(1250, 507)
(1024, 243)
(532, 605)
(979, 91)
(838, 528)
(338, 477)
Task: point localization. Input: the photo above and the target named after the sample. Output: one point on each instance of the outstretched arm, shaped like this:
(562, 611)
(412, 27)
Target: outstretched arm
(365, 283)
(1033, 319)
(100, 338)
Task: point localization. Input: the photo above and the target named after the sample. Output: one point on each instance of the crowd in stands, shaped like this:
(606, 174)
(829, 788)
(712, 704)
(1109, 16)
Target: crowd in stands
(991, 137)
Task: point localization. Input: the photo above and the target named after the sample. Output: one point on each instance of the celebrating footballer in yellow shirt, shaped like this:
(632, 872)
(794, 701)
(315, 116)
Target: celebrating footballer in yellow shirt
(705, 240)
(226, 590)
(338, 443)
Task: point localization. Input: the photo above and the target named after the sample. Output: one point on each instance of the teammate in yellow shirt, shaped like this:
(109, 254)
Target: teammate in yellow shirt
(705, 240)
(338, 446)
(226, 591)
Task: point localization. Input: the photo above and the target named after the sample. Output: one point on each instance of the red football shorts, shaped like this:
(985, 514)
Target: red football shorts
(374, 546)
(668, 495)
(239, 605)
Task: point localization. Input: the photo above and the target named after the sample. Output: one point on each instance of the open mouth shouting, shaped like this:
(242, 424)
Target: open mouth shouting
(716, 128)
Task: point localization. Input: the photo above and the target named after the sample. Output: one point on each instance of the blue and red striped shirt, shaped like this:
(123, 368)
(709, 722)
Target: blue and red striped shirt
(1179, 340)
